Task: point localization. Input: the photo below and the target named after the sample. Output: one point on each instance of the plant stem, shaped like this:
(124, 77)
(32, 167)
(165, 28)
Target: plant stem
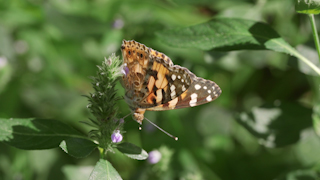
(305, 60)
(315, 33)
(103, 153)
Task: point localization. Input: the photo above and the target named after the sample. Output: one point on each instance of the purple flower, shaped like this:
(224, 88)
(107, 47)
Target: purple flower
(108, 62)
(121, 121)
(154, 157)
(116, 136)
(125, 69)
(118, 24)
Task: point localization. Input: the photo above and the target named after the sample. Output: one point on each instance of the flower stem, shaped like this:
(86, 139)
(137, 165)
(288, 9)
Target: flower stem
(103, 153)
(315, 34)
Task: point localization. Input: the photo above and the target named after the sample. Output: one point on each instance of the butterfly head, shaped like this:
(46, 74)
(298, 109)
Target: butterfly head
(138, 115)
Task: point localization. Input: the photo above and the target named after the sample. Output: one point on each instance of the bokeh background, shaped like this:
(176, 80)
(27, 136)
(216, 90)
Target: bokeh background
(259, 128)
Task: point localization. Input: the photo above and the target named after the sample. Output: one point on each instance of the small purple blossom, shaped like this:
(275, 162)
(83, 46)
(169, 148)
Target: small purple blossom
(118, 24)
(121, 121)
(125, 69)
(154, 157)
(116, 136)
(108, 61)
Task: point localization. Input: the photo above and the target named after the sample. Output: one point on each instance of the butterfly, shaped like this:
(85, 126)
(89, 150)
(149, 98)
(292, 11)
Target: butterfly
(153, 83)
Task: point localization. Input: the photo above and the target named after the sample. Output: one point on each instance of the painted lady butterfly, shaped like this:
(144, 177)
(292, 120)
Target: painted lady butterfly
(153, 83)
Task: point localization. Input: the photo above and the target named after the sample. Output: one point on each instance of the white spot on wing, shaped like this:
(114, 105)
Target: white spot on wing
(173, 77)
(213, 88)
(182, 80)
(179, 77)
(173, 91)
(209, 91)
(159, 95)
(209, 98)
(197, 86)
(173, 87)
(193, 100)
(172, 103)
(173, 94)
(183, 88)
(204, 87)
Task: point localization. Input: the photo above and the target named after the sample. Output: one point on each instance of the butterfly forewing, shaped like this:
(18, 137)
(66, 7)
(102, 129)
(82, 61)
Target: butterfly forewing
(136, 58)
(164, 83)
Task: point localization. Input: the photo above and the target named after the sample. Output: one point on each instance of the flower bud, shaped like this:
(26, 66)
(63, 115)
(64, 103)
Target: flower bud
(154, 157)
(116, 137)
(121, 121)
(125, 69)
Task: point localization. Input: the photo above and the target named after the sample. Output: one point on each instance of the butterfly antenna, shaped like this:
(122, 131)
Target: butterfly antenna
(127, 115)
(170, 135)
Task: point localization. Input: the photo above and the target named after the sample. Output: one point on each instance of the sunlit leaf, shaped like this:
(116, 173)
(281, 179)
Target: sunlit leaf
(277, 126)
(104, 171)
(225, 34)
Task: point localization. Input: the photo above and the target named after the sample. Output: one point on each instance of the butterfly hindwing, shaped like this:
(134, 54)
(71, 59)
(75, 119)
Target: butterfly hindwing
(200, 91)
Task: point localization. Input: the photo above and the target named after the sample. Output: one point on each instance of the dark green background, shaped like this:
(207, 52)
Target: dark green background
(48, 49)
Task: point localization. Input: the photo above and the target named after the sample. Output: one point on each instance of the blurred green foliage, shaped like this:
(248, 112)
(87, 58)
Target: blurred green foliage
(48, 49)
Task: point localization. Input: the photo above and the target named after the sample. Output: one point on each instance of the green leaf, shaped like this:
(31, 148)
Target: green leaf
(35, 133)
(78, 147)
(277, 126)
(76, 172)
(308, 6)
(104, 171)
(132, 151)
(225, 34)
